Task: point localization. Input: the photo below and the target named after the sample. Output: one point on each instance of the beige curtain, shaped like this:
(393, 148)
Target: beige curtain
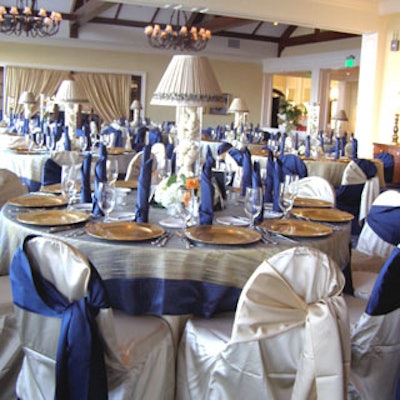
(37, 81)
(109, 94)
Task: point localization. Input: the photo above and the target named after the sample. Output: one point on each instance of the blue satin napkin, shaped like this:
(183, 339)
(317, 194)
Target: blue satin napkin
(117, 136)
(337, 148)
(223, 147)
(282, 145)
(139, 138)
(342, 148)
(354, 149)
(51, 172)
(237, 155)
(385, 294)
(367, 166)
(256, 183)
(80, 365)
(278, 178)
(296, 141)
(269, 180)
(100, 175)
(67, 141)
(307, 153)
(86, 194)
(206, 209)
(247, 171)
(143, 186)
(25, 126)
(154, 136)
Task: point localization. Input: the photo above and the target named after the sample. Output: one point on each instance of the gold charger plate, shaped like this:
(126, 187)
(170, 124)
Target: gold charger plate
(52, 217)
(124, 231)
(38, 200)
(315, 203)
(323, 214)
(223, 235)
(54, 188)
(290, 227)
(262, 153)
(116, 151)
(132, 184)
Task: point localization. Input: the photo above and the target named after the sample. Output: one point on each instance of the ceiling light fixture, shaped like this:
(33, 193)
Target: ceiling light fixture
(24, 17)
(177, 37)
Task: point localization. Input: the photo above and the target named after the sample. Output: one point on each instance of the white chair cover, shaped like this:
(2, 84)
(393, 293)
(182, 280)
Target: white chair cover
(316, 187)
(353, 175)
(138, 350)
(10, 186)
(158, 150)
(290, 337)
(133, 170)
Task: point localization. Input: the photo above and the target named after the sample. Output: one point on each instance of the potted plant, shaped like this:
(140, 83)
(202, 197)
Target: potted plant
(290, 114)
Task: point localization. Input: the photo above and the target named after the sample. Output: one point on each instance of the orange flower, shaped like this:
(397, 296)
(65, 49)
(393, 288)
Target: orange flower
(186, 198)
(192, 183)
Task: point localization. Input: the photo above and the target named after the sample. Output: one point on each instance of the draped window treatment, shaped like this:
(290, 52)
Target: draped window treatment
(108, 94)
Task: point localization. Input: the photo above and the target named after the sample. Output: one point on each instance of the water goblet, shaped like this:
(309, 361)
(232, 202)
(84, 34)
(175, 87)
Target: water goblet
(112, 170)
(83, 143)
(287, 193)
(106, 198)
(39, 139)
(69, 182)
(253, 203)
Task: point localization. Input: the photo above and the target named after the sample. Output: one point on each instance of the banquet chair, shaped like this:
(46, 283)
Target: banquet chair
(292, 165)
(133, 169)
(359, 188)
(289, 308)
(378, 238)
(316, 187)
(159, 153)
(234, 161)
(10, 186)
(51, 172)
(74, 344)
(375, 339)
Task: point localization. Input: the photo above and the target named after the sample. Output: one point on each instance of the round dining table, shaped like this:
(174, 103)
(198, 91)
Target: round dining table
(142, 277)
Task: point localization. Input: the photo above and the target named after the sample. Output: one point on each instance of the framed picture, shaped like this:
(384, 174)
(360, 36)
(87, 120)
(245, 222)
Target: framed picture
(221, 110)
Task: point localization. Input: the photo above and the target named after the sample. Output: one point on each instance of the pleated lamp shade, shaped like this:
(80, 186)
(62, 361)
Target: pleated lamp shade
(136, 105)
(340, 116)
(188, 81)
(70, 92)
(238, 105)
(27, 98)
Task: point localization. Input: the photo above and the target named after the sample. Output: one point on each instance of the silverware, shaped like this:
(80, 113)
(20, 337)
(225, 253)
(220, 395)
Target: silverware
(279, 235)
(266, 236)
(156, 241)
(185, 240)
(165, 239)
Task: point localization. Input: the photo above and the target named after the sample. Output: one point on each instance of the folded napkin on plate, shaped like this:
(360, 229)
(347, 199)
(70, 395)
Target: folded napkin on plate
(143, 186)
(67, 140)
(247, 171)
(100, 175)
(269, 180)
(256, 183)
(206, 209)
(307, 153)
(337, 148)
(354, 149)
(86, 194)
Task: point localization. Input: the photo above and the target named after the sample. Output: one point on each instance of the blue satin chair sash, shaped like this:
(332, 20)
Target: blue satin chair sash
(80, 366)
(385, 296)
(154, 136)
(293, 165)
(384, 221)
(86, 195)
(367, 166)
(143, 189)
(223, 147)
(237, 155)
(388, 165)
(51, 172)
(206, 209)
(100, 175)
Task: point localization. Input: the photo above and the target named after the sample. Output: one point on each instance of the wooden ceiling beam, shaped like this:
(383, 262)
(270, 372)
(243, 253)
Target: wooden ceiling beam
(218, 24)
(324, 36)
(246, 36)
(90, 10)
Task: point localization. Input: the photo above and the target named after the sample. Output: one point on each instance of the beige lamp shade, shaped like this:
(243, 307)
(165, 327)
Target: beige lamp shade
(27, 98)
(238, 105)
(136, 105)
(188, 81)
(340, 116)
(70, 92)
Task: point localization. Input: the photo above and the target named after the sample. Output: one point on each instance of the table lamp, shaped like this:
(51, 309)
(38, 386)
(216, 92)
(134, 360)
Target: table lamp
(27, 99)
(136, 107)
(340, 117)
(240, 109)
(189, 84)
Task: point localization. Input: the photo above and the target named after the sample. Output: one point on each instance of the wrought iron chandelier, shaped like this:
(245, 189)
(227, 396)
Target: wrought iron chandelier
(24, 17)
(177, 37)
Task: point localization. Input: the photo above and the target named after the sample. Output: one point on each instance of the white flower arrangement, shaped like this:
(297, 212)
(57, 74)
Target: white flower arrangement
(167, 192)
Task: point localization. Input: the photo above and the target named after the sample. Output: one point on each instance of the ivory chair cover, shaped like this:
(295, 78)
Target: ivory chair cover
(158, 151)
(10, 186)
(375, 340)
(237, 169)
(133, 170)
(316, 187)
(138, 351)
(372, 251)
(289, 338)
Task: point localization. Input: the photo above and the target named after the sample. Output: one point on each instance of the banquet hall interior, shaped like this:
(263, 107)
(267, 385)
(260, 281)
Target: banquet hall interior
(199, 200)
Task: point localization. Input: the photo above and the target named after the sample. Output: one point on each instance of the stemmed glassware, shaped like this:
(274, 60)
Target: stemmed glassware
(253, 203)
(39, 139)
(112, 170)
(106, 198)
(287, 193)
(70, 177)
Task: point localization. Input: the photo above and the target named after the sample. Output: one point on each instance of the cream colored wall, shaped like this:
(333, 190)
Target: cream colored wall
(237, 79)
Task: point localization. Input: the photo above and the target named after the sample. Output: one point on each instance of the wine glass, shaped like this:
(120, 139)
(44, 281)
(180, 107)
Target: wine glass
(112, 170)
(253, 203)
(106, 198)
(39, 139)
(83, 142)
(69, 181)
(287, 193)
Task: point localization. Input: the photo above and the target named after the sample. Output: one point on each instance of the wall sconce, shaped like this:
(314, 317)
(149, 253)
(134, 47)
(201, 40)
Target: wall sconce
(394, 43)
(395, 136)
